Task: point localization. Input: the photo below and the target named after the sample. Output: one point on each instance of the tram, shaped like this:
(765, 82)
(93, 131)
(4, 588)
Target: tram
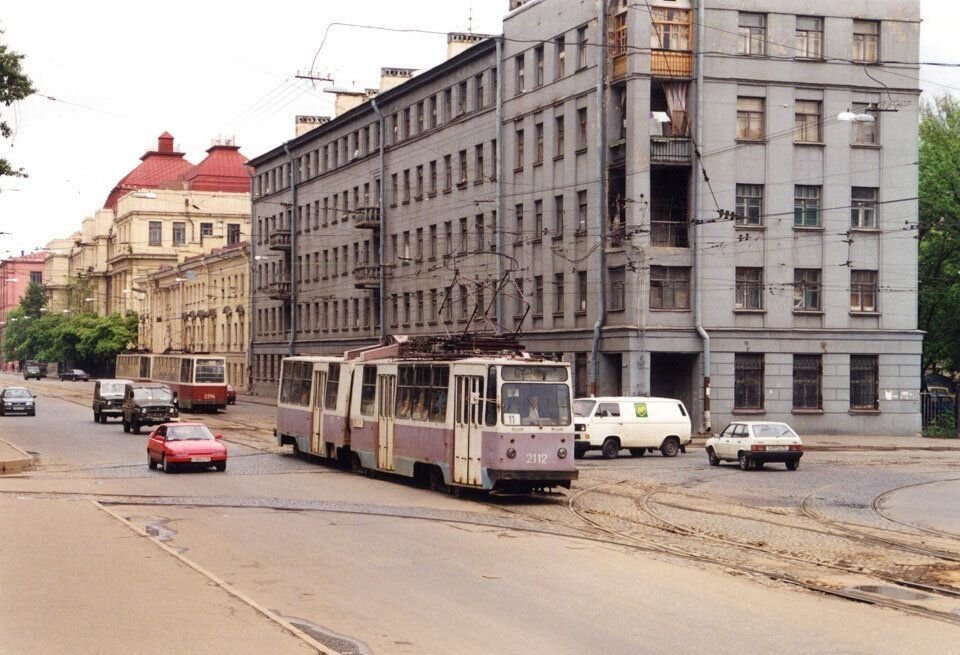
(199, 381)
(450, 414)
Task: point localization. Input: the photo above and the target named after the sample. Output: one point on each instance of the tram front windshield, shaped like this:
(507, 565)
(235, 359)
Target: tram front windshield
(534, 403)
(209, 370)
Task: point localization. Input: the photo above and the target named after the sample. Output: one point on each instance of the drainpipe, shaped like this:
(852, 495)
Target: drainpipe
(498, 158)
(293, 253)
(251, 320)
(698, 222)
(601, 194)
(382, 309)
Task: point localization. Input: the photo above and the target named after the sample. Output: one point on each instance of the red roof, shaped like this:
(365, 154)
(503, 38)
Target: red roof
(224, 169)
(160, 168)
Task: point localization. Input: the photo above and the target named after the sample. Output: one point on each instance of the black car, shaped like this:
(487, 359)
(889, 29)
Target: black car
(147, 403)
(17, 399)
(75, 374)
(31, 371)
(108, 399)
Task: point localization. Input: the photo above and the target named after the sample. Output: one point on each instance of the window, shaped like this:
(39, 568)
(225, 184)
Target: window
(432, 111)
(581, 307)
(447, 173)
(478, 91)
(582, 212)
(179, 233)
(538, 66)
(464, 237)
(448, 234)
(559, 134)
(866, 40)
(36, 276)
(520, 85)
(493, 160)
(806, 290)
(419, 189)
(749, 289)
(433, 242)
(752, 34)
(521, 302)
(864, 382)
(806, 206)
(537, 220)
(807, 121)
(433, 177)
(447, 105)
(581, 48)
(617, 281)
(560, 48)
(558, 294)
(519, 159)
(461, 98)
(538, 141)
(671, 29)
(863, 291)
(807, 377)
(518, 237)
(538, 295)
(156, 233)
(582, 128)
(206, 229)
(478, 164)
(557, 217)
(749, 119)
(865, 132)
(419, 117)
(749, 204)
(463, 167)
(863, 207)
(669, 287)
(479, 232)
(809, 38)
(748, 381)
(406, 186)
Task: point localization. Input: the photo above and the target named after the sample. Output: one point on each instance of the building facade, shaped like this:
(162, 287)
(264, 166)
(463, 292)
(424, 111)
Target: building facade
(731, 223)
(16, 274)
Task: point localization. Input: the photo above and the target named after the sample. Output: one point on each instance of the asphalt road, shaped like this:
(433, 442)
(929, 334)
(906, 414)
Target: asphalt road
(379, 566)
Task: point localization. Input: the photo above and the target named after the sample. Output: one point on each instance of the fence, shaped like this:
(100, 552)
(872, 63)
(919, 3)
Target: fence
(940, 410)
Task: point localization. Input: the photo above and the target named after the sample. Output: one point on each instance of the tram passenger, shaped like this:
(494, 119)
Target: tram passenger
(420, 407)
(438, 406)
(533, 411)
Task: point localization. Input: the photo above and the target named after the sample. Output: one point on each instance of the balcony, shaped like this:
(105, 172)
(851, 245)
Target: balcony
(279, 289)
(671, 150)
(279, 239)
(671, 63)
(669, 234)
(618, 152)
(366, 277)
(366, 218)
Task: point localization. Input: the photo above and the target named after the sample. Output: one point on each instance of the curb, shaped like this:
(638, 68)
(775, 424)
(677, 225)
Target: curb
(18, 464)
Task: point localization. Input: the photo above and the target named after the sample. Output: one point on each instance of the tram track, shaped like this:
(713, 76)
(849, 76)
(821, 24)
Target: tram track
(876, 503)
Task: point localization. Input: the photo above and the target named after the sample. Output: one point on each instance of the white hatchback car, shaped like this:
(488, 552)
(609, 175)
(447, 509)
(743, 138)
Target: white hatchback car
(755, 443)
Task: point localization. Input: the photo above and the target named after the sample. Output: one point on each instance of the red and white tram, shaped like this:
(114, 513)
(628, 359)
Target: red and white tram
(492, 421)
(198, 380)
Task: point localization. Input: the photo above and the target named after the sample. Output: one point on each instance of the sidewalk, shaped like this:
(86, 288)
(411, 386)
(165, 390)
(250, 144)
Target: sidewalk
(12, 459)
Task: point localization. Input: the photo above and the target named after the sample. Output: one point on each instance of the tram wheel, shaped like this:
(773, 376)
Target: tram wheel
(355, 464)
(436, 478)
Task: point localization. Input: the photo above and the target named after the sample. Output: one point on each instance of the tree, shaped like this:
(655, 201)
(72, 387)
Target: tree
(14, 86)
(939, 233)
(33, 299)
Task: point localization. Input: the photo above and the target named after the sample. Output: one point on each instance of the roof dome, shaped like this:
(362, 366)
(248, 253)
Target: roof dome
(159, 169)
(223, 169)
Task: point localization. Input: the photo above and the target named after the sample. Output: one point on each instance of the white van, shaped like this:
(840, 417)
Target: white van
(638, 424)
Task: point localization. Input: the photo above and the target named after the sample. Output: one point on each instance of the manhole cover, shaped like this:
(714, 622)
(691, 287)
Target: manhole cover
(896, 593)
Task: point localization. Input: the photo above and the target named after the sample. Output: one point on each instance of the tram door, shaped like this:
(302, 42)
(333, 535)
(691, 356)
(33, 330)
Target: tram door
(319, 391)
(386, 401)
(468, 422)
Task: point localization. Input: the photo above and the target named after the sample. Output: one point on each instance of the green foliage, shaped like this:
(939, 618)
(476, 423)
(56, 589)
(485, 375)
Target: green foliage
(84, 340)
(942, 427)
(939, 233)
(14, 86)
(33, 299)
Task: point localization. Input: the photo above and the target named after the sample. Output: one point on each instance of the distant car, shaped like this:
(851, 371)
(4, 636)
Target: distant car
(17, 399)
(173, 445)
(231, 395)
(755, 443)
(75, 374)
(108, 399)
(32, 372)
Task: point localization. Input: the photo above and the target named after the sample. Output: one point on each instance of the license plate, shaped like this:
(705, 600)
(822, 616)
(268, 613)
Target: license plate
(199, 460)
(776, 447)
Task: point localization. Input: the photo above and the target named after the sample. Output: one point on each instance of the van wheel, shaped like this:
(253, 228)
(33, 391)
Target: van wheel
(670, 447)
(96, 417)
(712, 457)
(638, 452)
(610, 448)
(126, 426)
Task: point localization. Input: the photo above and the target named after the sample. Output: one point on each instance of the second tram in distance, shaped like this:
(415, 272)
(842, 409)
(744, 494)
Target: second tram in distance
(198, 380)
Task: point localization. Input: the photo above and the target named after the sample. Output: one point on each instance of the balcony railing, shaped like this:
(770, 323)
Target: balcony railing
(669, 234)
(670, 150)
(671, 63)
(366, 218)
(279, 239)
(366, 277)
(279, 289)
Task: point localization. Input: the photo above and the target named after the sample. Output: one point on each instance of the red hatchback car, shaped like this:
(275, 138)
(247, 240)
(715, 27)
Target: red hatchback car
(173, 445)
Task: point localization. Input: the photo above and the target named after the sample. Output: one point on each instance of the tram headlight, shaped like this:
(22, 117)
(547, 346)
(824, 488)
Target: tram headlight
(511, 452)
(562, 453)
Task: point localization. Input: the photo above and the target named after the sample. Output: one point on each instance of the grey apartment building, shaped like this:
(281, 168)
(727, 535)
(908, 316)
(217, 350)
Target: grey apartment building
(712, 201)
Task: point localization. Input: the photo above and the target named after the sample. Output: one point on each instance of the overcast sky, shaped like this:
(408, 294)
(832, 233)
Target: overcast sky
(122, 75)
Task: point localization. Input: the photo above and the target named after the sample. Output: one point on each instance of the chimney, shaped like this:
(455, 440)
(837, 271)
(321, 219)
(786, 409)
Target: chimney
(392, 77)
(304, 124)
(347, 100)
(458, 42)
(165, 143)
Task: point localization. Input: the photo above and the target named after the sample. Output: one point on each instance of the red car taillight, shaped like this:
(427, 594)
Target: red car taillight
(798, 447)
(758, 447)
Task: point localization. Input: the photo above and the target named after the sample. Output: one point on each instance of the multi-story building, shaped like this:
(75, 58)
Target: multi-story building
(16, 274)
(704, 200)
(200, 305)
(56, 273)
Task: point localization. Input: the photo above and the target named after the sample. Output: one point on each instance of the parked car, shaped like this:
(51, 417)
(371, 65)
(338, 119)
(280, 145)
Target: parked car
(231, 395)
(640, 424)
(17, 399)
(173, 445)
(32, 371)
(147, 403)
(755, 443)
(75, 374)
(108, 399)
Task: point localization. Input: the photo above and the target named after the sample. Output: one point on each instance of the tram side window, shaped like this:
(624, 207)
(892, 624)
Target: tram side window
(333, 387)
(420, 394)
(368, 391)
(405, 378)
(186, 370)
(439, 383)
(490, 415)
(295, 383)
(144, 367)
